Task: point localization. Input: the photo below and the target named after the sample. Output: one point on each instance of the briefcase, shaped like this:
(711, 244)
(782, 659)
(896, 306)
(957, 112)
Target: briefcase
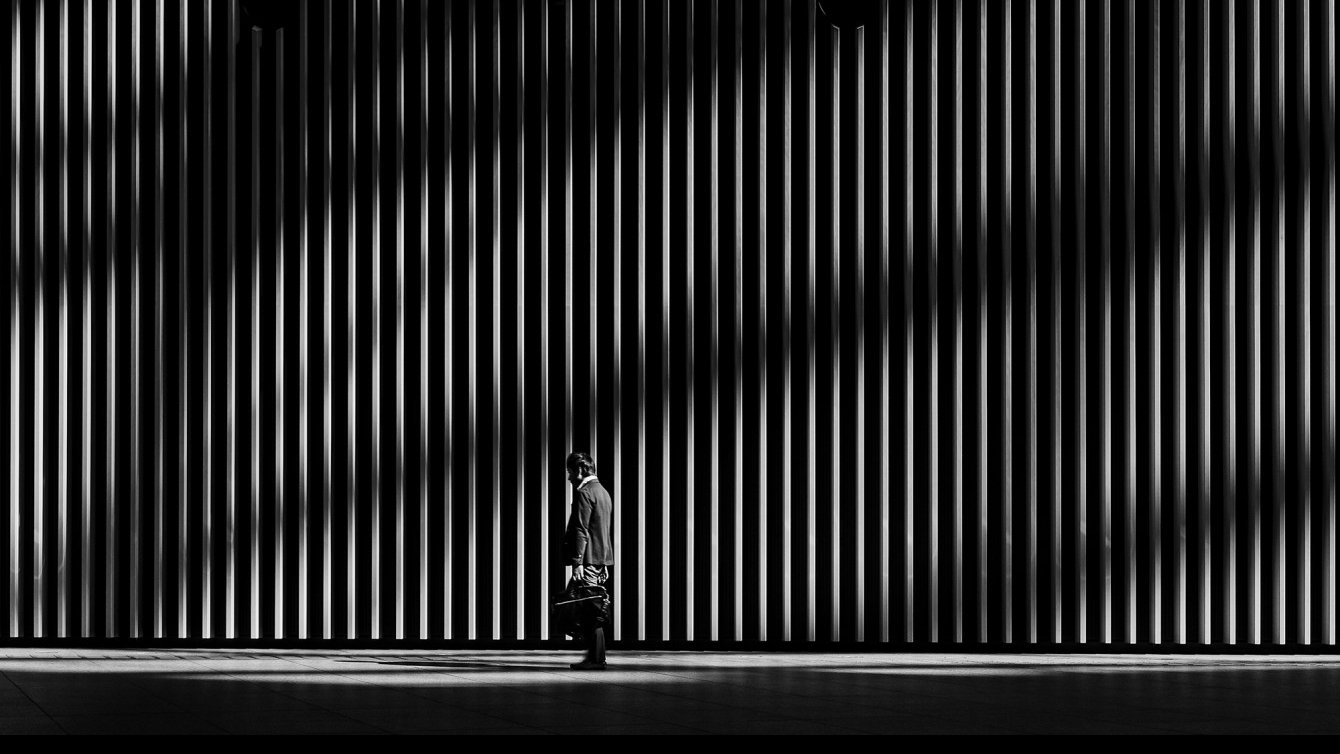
(579, 609)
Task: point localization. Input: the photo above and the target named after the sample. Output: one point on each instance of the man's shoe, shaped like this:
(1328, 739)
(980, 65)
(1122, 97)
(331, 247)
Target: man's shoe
(587, 665)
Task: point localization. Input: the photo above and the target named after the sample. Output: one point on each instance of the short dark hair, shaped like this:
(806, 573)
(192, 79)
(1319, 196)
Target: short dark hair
(582, 463)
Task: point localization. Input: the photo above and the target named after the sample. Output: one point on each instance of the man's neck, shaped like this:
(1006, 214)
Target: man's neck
(585, 480)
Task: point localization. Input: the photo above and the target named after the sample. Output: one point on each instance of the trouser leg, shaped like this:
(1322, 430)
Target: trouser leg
(595, 645)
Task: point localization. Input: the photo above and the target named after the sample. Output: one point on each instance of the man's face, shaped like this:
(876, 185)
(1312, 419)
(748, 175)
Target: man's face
(574, 477)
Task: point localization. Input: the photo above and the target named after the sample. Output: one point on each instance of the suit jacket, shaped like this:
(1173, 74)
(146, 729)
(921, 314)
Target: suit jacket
(588, 540)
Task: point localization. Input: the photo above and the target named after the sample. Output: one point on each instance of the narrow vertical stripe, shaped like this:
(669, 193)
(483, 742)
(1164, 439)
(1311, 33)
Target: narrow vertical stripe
(63, 334)
(835, 340)
(762, 380)
(496, 371)
(545, 484)
(426, 405)
(1328, 606)
(1302, 469)
(1080, 313)
(1204, 489)
(665, 319)
(1007, 327)
(136, 378)
(376, 395)
(593, 242)
(1106, 366)
(737, 335)
(160, 312)
(1229, 319)
(327, 342)
(39, 599)
(254, 378)
(641, 180)
(207, 408)
(862, 343)
(1155, 335)
(16, 322)
(885, 406)
(1057, 388)
(304, 331)
(690, 326)
(230, 368)
(909, 322)
(956, 272)
(400, 554)
(788, 59)
(616, 192)
(184, 455)
(86, 343)
(1180, 344)
(811, 250)
(520, 428)
(281, 344)
(983, 305)
(1129, 487)
(1279, 336)
(714, 355)
(472, 327)
(568, 250)
(1031, 312)
(351, 328)
(449, 327)
(1254, 388)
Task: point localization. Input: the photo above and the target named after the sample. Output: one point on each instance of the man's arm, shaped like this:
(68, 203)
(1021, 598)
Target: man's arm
(579, 527)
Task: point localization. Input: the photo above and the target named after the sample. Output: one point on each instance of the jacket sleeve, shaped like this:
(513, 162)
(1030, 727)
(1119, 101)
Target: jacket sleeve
(579, 528)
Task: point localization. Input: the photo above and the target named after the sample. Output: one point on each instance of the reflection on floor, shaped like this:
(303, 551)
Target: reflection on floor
(363, 691)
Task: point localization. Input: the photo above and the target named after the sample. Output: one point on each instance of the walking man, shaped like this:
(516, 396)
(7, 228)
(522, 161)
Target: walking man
(588, 545)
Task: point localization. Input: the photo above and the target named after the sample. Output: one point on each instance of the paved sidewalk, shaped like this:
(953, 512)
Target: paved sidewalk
(215, 691)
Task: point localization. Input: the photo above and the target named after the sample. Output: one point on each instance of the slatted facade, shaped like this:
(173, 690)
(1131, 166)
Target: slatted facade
(988, 323)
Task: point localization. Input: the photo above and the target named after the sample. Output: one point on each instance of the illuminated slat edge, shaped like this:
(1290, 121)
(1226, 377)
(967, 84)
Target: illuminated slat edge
(281, 344)
(86, 586)
(495, 371)
(737, 332)
(764, 323)
(1328, 115)
(616, 191)
(714, 317)
(909, 322)
(304, 330)
(376, 393)
(1301, 469)
(787, 429)
(862, 341)
(1007, 328)
(834, 376)
(184, 327)
(254, 353)
(1081, 307)
(63, 336)
(16, 322)
(521, 251)
(39, 493)
(1229, 362)
(472, 329)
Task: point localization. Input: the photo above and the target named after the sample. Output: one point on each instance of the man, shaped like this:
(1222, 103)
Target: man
(588, 545)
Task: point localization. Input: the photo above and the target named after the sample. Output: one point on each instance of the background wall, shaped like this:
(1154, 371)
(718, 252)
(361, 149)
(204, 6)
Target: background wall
(987, 322)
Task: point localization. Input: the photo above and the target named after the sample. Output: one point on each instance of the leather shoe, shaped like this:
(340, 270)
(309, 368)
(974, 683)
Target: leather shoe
(587, 665)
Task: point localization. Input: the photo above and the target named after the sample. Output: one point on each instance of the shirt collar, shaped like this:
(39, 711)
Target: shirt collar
(587, 481)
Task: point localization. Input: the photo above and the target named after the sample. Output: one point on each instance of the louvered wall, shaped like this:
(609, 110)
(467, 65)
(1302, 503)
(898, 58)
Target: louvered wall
(987, 322)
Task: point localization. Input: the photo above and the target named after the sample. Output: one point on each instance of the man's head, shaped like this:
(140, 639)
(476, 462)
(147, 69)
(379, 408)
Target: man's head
(580, 466)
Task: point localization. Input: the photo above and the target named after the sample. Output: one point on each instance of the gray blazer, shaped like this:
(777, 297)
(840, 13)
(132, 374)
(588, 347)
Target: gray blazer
(589, 539)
